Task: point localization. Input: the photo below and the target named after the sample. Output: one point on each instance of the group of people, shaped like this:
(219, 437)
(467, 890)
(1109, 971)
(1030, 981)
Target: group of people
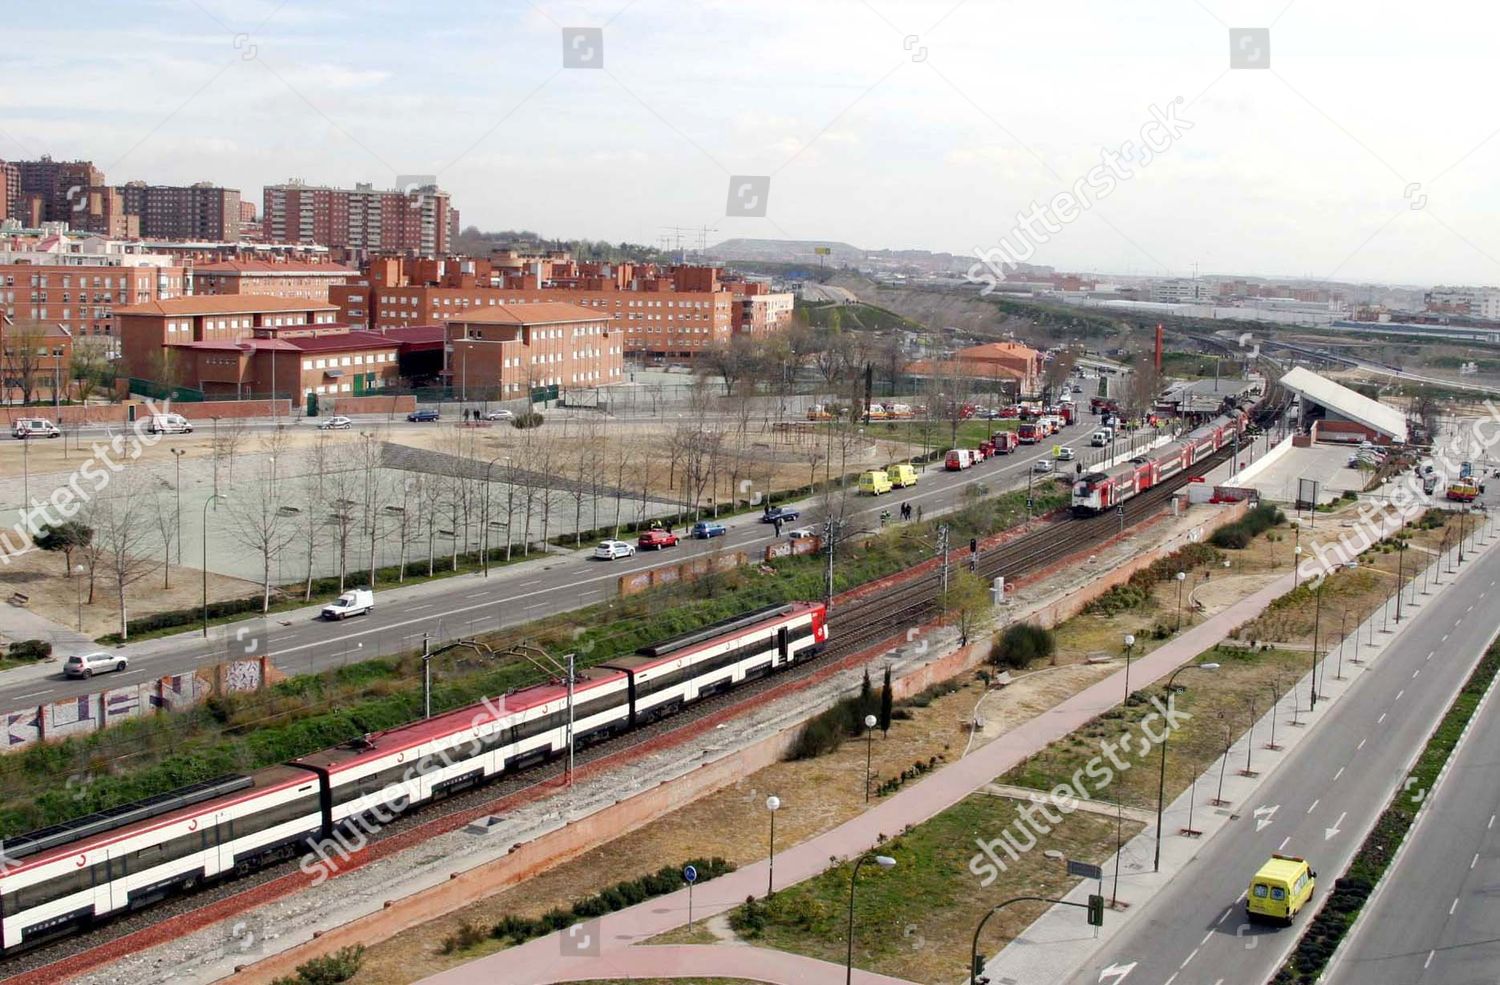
(885, 515)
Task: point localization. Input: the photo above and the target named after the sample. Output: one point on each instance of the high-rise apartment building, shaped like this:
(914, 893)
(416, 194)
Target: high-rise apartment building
(192, 212)
(363, 220)
(52, 191)
(10, 189)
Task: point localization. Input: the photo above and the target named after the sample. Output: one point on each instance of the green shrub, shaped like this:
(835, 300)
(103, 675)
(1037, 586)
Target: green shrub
(1021, 644)
(330, 969)
(30, 650)
(1237, 536)
(530, 419)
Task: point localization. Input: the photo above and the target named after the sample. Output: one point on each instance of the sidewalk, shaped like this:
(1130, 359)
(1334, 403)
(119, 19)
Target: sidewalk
(711, 961)
(549, 959)
(20, 623)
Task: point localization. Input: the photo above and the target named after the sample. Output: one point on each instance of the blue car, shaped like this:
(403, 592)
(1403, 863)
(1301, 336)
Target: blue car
(422, 415)
(783, 513)
(705, 530)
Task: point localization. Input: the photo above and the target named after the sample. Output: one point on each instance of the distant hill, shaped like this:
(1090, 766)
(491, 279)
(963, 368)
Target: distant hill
(784, 250)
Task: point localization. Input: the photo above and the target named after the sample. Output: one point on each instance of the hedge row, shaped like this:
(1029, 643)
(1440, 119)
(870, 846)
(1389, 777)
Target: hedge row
(1237, 536)
(1336, 916)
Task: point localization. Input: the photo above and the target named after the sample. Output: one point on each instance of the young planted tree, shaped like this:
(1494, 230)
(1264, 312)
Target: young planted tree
(311, 505)
(24, 350)
(164, 515)
(124, 533)
(260, 521)
(967, 603)
(887, 703)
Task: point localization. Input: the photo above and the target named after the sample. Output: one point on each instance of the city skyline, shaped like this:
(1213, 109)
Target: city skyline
(883, 125)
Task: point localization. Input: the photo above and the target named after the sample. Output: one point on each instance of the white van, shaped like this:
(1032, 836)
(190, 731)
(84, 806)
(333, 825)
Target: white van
(1101, 437)
(168, 424)
(34, 427)
(353, 603)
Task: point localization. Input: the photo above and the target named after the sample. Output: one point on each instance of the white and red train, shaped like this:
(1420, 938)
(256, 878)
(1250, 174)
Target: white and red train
(61, 879)
(1095, 492)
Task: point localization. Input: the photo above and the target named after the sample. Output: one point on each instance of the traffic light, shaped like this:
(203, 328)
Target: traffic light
(1096, 910)
(973, 545)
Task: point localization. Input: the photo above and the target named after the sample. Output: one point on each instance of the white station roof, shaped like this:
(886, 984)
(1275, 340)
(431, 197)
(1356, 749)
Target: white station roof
(1346, 402)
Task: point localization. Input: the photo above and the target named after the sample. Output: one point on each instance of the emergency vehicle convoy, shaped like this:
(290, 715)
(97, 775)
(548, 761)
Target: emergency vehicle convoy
(58, 880)
(1095, 492)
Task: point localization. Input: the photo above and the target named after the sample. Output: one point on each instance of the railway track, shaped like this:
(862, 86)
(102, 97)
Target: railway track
(854, 626)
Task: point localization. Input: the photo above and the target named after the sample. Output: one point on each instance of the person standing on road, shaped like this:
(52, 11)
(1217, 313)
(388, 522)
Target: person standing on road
(777, 522)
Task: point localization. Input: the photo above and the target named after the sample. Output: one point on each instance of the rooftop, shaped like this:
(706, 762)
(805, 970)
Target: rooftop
(1346, 402)
(539, 313)
(272, 267)
(224, 304)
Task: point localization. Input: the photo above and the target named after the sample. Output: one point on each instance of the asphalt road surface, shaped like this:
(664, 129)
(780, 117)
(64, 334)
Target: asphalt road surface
(299, 642)
(1435, 920)
(1319, 804)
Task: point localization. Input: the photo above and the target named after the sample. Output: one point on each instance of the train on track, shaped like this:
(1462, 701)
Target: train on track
(60, 880)
(1095, 492)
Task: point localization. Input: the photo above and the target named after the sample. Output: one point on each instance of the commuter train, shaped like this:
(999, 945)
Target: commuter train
(1095, 492)
(59, 880)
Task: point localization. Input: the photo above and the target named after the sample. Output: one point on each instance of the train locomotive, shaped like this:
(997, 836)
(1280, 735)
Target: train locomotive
(1096, 492)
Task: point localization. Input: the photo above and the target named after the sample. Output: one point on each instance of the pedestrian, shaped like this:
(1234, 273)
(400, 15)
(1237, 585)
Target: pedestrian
(777, 522)
(919, 514)
(669, 526)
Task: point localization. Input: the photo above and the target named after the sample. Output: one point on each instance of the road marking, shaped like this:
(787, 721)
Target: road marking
(30, 694)
(1491, 824)
(1458, 620)
(1361, 744)
(1475, 862)
(1205, 938)
(1453, 907)
(1381, 719)
(1169, 981)
(1399, 693)
(1314, 805)
(1415, 673)
(1283, 843)
(1270, 812)
(1445, 637)
(537, 605)
(1339, 773)
(1469, 609)
(1223, 916)
(1330, 832)
(1429, 960)
(1189, 958)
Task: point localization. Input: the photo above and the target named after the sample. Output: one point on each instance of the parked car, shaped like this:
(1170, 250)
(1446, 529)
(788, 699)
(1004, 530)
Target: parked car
(785, 514)
(89, 664)
(499, 415)
(802, 533)
(423, 415)
(608, 550)
(1042, 465)
(657, 539)
(34, 427)
(336, 424)
(705, 529)
(169, 424)
(359, 602)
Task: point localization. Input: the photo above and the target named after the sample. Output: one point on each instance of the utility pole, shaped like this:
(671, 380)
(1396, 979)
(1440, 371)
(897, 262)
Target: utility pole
(943, 550)
(830, 534)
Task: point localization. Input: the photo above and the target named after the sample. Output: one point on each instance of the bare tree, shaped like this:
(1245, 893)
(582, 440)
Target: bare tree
(90, 369)
(343, 487)
(123, 526)
(228, 438)
(311, 504)
(23, 349)
(164, 514)
(892, 359)
(260, 521)
(1057, 372)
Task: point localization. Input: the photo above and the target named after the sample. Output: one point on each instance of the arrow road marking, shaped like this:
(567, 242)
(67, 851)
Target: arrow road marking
(1330, 832)
(1261, 823)
(1117, 972)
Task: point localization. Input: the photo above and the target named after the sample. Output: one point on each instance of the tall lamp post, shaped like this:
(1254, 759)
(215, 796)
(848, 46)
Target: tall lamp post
(206, 504)
(1161, 783)
(1181, 577)
(1312, 702)
(773, 804)
(870, 722)
(1400, 576)
(78, 570)
(177, 453)
(1129, 646)
(885, 862)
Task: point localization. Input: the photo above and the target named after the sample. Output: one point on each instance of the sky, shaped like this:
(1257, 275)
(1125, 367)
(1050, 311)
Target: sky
(1350, 141)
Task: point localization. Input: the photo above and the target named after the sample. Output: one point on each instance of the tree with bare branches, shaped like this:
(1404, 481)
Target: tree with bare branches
(121, 520)
(260, 521)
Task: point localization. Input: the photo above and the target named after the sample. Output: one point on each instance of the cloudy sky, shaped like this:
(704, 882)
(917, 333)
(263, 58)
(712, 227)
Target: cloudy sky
(1356, 145)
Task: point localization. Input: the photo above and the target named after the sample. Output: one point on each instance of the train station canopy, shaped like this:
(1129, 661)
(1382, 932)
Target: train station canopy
(1340, 401)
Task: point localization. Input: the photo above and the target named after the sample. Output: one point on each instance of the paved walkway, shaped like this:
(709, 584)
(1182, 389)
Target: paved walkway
(757, 964)
(548, 959)
(20, 623)
(1101, 807)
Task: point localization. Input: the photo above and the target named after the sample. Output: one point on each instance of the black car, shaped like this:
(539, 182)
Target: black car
(783, 513)
(422, 415)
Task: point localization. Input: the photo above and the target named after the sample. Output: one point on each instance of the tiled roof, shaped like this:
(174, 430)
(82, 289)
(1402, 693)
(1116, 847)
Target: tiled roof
(272, 267)
(224, 304)
(341, 342)
(540, 313)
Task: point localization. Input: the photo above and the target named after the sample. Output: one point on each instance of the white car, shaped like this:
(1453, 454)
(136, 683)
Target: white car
(499, 415)
(802, 533)
(336, 424)
(1065, 454)
(1042, 465)
(89, 664)
(608, 550)
(360, 601)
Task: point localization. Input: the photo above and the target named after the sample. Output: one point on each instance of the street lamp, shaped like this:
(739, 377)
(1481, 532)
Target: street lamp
(1312, 703)
(1275, 698)
(773, 804)
(870, 721)
(78, 591)
(885, 862)
(177, 453)
(1181, 577)
(1296, 566)
(1343, 616)
(1161, 785)
(1129, 646)
(206, 504)
(1400, 575)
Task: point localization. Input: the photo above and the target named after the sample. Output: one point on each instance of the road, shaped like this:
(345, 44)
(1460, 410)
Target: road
(299, 642)
(1433, 921)
(1318, 804)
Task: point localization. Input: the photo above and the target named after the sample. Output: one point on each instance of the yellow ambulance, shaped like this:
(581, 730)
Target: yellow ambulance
(901, 475)
(1281, 888)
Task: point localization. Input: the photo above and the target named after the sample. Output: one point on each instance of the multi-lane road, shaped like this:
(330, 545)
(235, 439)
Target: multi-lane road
(1319, 803)
(448, 608)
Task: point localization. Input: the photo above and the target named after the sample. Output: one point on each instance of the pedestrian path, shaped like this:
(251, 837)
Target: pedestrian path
(547, 959)
(756, 964)
(20, 623)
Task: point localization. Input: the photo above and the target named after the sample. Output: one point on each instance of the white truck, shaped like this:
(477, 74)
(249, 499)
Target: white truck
(169, 424)
(352, 603)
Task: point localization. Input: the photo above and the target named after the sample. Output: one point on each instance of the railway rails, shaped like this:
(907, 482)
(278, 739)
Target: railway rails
(854, 626)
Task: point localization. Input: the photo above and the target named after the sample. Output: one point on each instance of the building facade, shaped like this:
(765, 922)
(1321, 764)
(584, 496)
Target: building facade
(148, 330)
(192, 212)
(270, 278)
(363, 220)
(508, 350)
(35, 359)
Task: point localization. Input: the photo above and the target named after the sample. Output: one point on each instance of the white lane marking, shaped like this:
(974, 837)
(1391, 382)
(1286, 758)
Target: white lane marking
(1361, 744)
(1491, 824)
(1453, 907)
(1445, 637)
(1400, 693)
(1205, 938)
(1381, 719)
(1458, 620)
(536, 605)
(1314, 805)
(1339, 773)
(1415, 673)
(1189, 958)
(1222, 917)
(1169, 981)
(1283, 843)
(32, 694)
(1429, 960)
(1475, 861)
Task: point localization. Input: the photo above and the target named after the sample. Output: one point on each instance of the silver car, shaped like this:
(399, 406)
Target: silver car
(89, 664)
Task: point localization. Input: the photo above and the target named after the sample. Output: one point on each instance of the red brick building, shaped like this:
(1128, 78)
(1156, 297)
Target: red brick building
(10, 189)
(509, 349)
(34, 356)
(270, 278)
(146, 330)
(363, 220)
(191, 212)
(82, 297)
(289, 364)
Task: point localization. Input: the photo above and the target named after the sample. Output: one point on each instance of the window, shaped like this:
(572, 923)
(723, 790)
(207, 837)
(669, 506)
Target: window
(1260, 891)
(1278, 893)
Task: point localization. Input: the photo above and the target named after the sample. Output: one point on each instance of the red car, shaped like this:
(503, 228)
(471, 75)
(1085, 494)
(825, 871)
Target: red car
(657, 539)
